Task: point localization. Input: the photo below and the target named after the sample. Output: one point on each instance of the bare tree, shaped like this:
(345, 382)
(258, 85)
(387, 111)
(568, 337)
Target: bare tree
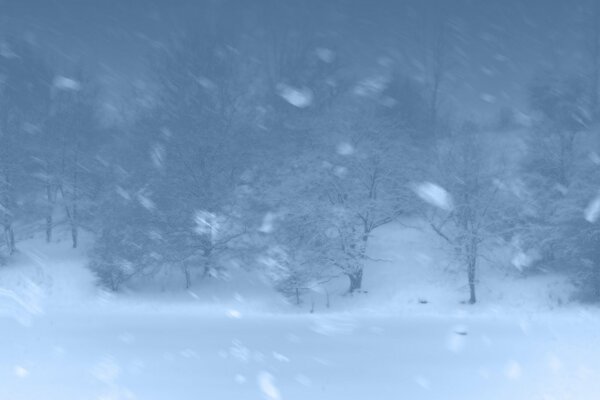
(202, 132)
(471, 214)
(438, 38)
(355, 182)
(24, 100)
(561, 108)
(362, 197)
(592, 46)
(70, 161)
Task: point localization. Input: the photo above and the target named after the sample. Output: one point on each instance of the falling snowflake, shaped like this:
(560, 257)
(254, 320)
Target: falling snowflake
(513, 370)
(325, 55)
(592, 211)
(267, 225)
(488, 98)
(267, 386)
(280, 357)
(345, 149)
(206, 223)
(67, 84)
(435, 195)
(158, 155)
(300, 98)
(21, 372)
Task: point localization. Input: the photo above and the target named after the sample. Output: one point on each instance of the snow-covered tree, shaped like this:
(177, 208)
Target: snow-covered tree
(551, 169)
(351, 183)
(69, 165)
(24, 105)
(469, 199)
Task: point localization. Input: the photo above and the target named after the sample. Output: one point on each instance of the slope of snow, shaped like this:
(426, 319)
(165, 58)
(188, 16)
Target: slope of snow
(42, 277)
(412, 270)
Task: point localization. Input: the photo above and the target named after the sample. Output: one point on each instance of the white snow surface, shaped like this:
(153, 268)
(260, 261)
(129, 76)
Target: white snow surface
(193, 354)
(407, 337)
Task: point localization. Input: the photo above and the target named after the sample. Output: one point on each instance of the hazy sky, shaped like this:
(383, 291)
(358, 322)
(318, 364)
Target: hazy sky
(502, 43)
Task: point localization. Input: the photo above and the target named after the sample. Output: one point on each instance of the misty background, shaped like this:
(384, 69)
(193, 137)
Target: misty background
(288, 199)
(278, 136)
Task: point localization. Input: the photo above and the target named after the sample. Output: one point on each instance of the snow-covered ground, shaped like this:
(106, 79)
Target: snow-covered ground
(198, 355)
(62, 338)
(409, 264)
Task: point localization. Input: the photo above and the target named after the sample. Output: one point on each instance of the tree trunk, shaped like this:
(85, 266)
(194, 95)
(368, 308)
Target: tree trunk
(188, 277)
(355, 280)
(7, 222)
(10, 239)
(595, 78)
(49, 224)
(433, 107)
(473, 297)
(74, 230)
(74, 222)
(49, 219)
(471, 270)
(72, 215)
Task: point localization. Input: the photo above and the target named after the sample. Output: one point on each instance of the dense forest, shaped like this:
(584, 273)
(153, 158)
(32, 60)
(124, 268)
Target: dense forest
(277, 136)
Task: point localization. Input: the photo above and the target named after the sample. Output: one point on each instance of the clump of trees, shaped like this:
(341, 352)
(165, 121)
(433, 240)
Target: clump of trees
(274, 149)
(50, 140)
